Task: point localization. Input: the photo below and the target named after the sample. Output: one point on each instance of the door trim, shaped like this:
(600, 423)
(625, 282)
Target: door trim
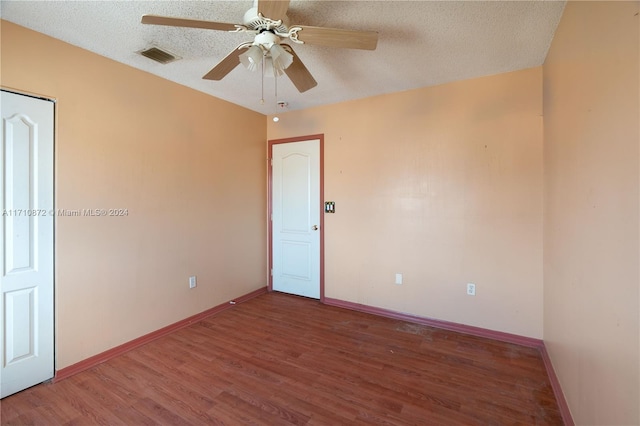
(272, 142)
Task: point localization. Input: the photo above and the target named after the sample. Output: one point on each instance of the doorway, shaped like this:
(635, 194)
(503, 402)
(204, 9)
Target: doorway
(296, 222)
(26, 205)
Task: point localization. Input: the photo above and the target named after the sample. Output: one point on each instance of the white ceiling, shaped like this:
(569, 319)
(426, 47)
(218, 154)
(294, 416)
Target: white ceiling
(421, 43)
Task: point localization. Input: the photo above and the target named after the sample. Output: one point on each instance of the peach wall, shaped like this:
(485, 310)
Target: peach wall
(443, 185)
(591, 297)
(188, 167)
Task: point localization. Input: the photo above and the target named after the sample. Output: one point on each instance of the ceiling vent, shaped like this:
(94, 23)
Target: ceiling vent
(159, 55)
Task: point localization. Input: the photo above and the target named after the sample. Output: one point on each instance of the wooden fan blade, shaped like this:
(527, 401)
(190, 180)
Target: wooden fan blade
(333, 37)
(225, 66)
(298, 73)
(190, 23)
(273, 9)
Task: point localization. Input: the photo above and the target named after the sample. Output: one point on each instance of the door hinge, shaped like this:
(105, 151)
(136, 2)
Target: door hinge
(271, 161)
(272, 272)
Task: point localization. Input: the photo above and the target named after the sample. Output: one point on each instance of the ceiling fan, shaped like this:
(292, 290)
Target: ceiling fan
(268, 23)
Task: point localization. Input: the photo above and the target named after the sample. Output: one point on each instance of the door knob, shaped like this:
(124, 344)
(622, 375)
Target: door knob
(314, 227)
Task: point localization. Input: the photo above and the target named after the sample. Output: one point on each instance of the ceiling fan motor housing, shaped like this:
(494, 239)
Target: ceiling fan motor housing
(255, 22)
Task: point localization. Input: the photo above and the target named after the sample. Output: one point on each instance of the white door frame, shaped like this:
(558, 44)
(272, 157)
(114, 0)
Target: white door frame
(320, 138)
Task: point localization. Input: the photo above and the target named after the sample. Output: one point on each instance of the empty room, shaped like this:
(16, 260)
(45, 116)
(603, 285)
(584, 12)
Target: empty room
(320, 212)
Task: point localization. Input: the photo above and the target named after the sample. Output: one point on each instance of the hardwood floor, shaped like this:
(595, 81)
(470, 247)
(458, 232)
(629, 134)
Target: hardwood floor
(280, 359)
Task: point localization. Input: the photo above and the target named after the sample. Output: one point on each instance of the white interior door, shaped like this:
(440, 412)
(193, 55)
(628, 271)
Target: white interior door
(295, 244)
(26, 179)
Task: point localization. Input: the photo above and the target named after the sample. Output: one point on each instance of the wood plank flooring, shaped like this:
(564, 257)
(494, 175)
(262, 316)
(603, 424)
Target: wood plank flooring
(285, 360)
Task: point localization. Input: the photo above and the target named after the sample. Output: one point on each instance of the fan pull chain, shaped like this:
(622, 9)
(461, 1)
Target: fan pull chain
(262, 83)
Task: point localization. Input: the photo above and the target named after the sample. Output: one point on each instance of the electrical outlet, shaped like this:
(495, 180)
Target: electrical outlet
(398, 279)
(192, 282)
(471, 289)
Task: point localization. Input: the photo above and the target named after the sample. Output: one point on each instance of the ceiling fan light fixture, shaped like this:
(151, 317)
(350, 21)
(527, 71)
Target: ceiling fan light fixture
(280, 58)
(269, 69)
(252, 58)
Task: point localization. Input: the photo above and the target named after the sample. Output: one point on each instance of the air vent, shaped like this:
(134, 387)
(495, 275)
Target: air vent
(159, 55)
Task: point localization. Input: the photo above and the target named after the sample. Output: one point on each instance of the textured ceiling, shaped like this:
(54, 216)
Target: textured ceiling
(421, 43)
